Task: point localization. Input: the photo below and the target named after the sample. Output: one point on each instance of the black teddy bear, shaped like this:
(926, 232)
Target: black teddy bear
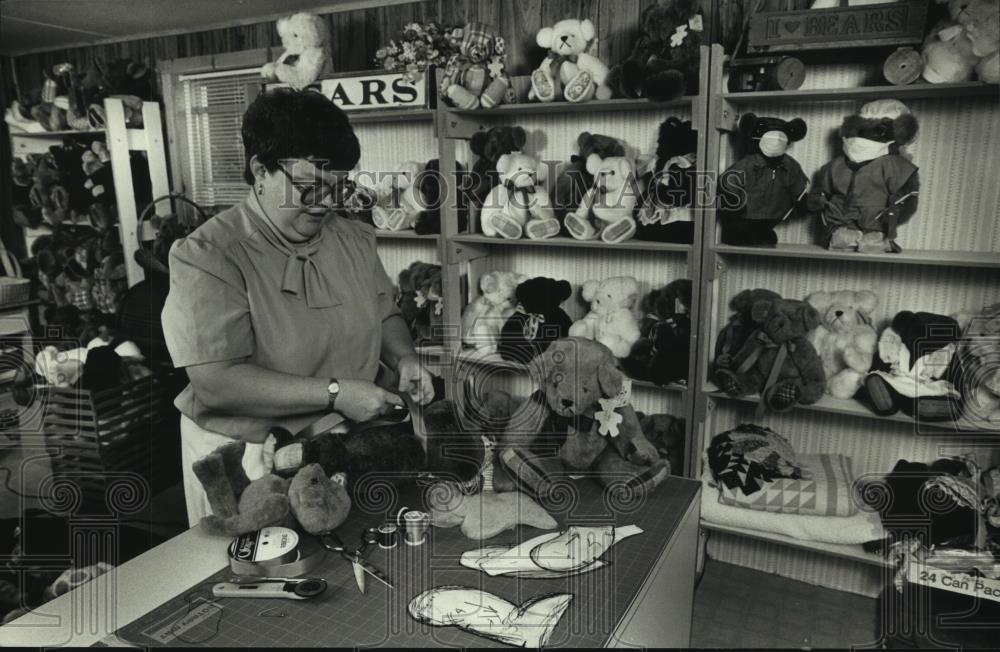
(538, 320)
(667, 214)
(429, 221)
(765, 187)
(661, 353)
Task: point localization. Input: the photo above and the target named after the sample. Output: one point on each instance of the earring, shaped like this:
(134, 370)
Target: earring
(260, 189)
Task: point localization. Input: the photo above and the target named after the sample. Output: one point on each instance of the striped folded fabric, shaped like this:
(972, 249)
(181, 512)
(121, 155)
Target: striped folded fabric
(825, 489)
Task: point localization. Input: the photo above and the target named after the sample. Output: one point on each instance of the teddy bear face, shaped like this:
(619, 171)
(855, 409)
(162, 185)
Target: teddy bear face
(301, 31)
(566, 37)
(981, 19)
(771, 136)
(673, 299)
(612, 173)
(604, 146)
(843, 310)
(497, 141)
(575, 372)
(784, 320)
(543, 295)
(479, 42)
(519, 169)
(881, 127)
(611, 295)
(499, 287)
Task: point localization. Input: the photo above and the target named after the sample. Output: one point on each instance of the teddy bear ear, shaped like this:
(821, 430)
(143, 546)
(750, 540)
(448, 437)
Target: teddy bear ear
(866, 301)
(904, 129)
(810, 317)
(478, 142)
(503, 163)
(519, 136)
(563, 290)
(588, 290)
(489, 282)
(594, 163)
(747, 123)
(795, 129)
(584, 141)
(587, 29)
(819, 300)
(544, 38)
(610, 379)
(761, 309)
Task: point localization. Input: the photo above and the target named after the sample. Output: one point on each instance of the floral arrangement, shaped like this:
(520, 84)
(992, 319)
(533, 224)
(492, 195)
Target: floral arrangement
(418, 46)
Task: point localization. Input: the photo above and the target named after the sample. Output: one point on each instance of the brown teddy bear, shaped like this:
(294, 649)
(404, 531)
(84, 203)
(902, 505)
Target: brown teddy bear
(573, 180)
(580, 419)
(777, 361)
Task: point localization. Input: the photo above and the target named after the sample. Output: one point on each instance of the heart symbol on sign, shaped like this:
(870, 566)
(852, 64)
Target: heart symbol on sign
(792, 25)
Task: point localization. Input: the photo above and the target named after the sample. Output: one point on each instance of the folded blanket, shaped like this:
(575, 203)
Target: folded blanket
(860, 528)
(823, 490)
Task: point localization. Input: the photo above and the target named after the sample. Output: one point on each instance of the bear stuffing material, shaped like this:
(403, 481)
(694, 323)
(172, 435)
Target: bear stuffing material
(845, 339)
(766, 186)
(518, 205)
(865, 193)
(569, 71)
(307, 56)
(787, 369)
(662, 352)
(611, 320)
(579, 420)
(607, 211)
(485, 316)
(665, 58)
(538, 319)
(475, 76)
(668, 191)
(573, 180)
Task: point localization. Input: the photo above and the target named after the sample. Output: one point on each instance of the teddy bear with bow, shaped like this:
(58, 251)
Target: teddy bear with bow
(518, 205)
(489, 146)
(538, 319)
(475, 76)
(307, 56)
(667, 213)
(572, 179)
(610, 320)
(569, 71)
(662, 352)
(607, 211)
(845, 339)
(485, 315)
(579, 420)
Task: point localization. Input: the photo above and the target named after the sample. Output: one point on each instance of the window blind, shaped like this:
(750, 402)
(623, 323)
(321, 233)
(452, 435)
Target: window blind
(213, 112)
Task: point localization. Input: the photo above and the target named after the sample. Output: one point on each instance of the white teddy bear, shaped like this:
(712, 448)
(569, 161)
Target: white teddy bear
(611, 320)
(307, 56)
(485, 316)
(845, 339)
(400, 201)
(569, 71)
(607, 210)
(518, 205)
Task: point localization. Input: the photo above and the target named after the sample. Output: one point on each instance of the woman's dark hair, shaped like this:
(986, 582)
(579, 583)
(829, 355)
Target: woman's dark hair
(284, 124)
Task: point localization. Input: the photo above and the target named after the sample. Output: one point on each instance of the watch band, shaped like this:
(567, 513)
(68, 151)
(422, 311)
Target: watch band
(332, 390)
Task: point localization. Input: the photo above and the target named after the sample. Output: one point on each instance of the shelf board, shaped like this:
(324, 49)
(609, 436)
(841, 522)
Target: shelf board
(390, 115)
(844, 551)
(593, 106)
(907, 257)
(913, 91)
(571, 243)
(853, 408)
(57, 134)
(407, 234)
(494, 361)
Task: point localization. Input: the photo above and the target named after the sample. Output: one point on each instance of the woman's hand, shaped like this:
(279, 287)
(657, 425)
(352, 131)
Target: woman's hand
(415, 380)
(362, 400)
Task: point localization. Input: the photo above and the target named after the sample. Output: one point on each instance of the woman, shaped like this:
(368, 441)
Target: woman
(279, 309)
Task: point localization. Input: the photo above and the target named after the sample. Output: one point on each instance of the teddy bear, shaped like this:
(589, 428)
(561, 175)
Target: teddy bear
(307, 57)
(415, 306)
(579, 420)
(518, 205)
(607, 211)
(845, 339)
(911, 371)
(569, 71)
(430, 306)
(777, 361)
(475, 77)
(766, 186)
(864, 194)
(667, 433)
(662, 352)
(978, 375)
(100, 184)
(434, 189)
(400, 199)
(485, 315)
(489, 146)
(741, 325)
(665, 58)
(573, 180)
(610, 320)
(538, 319)
(317, 503)
(968, 43)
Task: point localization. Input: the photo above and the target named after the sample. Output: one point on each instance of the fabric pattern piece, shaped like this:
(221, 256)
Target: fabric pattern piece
(824, 489)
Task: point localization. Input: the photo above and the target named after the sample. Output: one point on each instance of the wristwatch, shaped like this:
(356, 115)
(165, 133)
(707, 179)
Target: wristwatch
(332, 390)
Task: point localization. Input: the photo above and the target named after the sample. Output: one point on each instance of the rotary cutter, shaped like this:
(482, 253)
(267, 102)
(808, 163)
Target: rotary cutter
(270, 587)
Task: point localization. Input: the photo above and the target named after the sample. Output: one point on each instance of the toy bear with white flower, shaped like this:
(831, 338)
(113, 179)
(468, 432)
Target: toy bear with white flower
(611, 320)
(307, 55)
(518, 205)
(845, 339)
(400, 201)
(607, 211)
(485, 316)
(475, 76)
(569, 71)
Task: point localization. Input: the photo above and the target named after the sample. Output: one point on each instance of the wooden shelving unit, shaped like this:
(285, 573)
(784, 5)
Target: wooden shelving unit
(572, 243)
(866, 93)
(593, 106)
(986, 259)
(391, 115)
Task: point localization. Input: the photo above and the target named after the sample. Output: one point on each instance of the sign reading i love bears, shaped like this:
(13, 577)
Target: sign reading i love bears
(895, 23)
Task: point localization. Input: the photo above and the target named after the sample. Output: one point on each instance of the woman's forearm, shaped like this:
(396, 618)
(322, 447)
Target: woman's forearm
(396, 341)
(249, 390)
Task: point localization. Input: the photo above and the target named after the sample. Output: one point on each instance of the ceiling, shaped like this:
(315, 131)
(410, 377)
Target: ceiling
(28, 26)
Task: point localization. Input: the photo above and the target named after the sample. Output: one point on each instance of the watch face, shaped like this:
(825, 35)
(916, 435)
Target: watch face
(333, 388)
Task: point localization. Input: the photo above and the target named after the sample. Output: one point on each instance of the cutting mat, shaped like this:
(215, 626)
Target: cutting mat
(342, 617)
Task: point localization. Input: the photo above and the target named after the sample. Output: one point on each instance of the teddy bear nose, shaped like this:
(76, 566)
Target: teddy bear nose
(564, 39)
(567, 402)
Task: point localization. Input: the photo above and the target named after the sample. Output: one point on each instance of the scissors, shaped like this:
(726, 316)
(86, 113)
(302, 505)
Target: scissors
(332, 542)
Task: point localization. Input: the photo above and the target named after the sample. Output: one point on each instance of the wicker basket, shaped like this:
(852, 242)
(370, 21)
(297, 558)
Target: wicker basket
(13, 288)
(98, 438)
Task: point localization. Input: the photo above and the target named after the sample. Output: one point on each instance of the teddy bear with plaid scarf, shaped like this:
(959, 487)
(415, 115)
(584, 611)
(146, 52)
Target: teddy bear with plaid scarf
(475, 77)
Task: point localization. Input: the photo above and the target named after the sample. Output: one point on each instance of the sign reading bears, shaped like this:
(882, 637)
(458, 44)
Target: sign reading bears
(371, 90)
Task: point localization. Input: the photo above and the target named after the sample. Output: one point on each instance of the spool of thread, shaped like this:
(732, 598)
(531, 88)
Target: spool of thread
(416, 525)
(274, 551)
(387, 535)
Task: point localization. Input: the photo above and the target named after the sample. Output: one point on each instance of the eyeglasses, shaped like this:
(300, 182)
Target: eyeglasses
(317, 194)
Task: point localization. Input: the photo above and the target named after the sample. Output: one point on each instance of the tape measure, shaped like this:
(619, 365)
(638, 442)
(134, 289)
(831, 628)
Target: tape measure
(273, 551)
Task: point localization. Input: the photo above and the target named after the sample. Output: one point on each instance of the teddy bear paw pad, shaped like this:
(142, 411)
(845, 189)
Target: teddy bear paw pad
(506, 227)
(845, 238)
(579, 227)
(542, 229)
(620, 231)
(782, 397)
(543, 86)
(580, 88)
(729, 383)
